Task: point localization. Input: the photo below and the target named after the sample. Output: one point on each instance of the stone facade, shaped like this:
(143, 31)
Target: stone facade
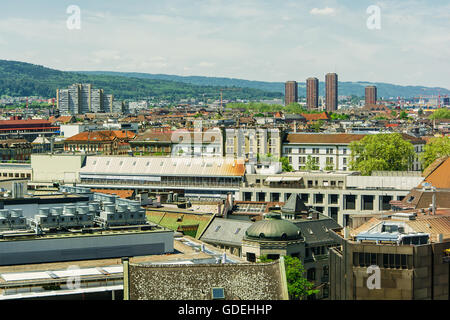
(262, 281)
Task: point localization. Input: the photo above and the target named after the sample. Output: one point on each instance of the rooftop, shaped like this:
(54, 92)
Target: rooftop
(164, 166)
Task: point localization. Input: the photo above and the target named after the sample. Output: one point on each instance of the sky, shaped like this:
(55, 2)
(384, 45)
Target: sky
(264, 40)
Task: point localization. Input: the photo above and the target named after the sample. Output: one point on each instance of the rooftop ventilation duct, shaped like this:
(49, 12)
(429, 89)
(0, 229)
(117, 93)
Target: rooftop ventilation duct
(44, 212)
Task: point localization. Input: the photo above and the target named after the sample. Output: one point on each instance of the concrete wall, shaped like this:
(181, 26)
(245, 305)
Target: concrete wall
(53, 168)
(427, 278)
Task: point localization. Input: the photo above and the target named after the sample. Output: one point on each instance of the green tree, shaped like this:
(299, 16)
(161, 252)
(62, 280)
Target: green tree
(311, 164)
(317, 125)
(387, 152)
(436, 148)
(403, 115)
(420, 112)
(442, 113)
(298, 286)
(286, 165)
(393, 113)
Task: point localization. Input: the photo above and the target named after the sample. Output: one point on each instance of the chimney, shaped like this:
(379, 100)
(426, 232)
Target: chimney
(230, 199)
(346, 233)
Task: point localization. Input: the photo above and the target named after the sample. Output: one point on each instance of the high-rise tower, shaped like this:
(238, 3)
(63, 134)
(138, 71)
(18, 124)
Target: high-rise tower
(331, 91)
(290, 92)
(312, 93)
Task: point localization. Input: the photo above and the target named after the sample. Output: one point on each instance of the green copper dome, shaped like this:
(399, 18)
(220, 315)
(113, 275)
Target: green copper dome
(271, 230)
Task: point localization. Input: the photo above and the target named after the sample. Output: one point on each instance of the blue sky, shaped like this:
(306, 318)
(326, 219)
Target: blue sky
(250, 39)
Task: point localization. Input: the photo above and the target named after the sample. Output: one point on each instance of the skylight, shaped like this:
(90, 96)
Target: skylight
(218, 293)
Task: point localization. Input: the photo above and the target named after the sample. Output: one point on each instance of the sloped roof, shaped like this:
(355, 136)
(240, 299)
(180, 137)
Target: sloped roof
(310, 138)
(315, 116)
(124, 194)
(154, 136)
(102, 135)
(317, 231)
(240, 281)
(438, 173)
(294, 204)
(226, 231)
(164, 166)
(420, 199)
(434, 225)
(62, 119)
(24, 122)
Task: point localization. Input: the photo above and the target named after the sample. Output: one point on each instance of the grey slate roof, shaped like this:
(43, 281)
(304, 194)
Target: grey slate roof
(317, 231)
(294, 204)
(226, 231)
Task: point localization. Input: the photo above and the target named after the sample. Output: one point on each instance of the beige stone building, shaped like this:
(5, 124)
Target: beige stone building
(400, 257)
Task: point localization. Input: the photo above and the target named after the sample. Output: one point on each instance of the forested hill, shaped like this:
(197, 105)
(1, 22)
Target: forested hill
(385, 90)
(24, 79)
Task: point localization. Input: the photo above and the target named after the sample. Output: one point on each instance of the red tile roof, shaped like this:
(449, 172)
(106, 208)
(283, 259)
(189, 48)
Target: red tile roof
(124, 194)
(104, 135)
(316, 116)
(24, 122)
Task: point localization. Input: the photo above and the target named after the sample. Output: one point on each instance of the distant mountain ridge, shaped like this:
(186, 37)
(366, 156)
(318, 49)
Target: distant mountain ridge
(385, 90)
(25, 79)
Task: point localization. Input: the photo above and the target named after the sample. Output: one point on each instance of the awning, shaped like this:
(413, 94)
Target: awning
(273, 179)
(292, 178)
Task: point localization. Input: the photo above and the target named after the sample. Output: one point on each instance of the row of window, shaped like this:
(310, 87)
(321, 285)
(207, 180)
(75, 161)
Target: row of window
(314, 150)
(16, 175)
(385, 260)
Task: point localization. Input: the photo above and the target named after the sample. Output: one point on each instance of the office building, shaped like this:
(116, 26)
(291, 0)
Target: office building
(331, 92)
(399, 256)
(312, 93)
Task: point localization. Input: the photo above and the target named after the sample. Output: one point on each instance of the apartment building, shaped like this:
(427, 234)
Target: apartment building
(331, 91)
(331, 151)
(327, 151)
(291, 92)
(371, 95)
(83, 98)
(249, 143)
(312, 93)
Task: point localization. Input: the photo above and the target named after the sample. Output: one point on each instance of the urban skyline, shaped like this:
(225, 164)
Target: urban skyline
(131, 184)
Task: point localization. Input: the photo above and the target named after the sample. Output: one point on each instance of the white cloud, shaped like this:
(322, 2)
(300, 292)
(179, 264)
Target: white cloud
(323, 12)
